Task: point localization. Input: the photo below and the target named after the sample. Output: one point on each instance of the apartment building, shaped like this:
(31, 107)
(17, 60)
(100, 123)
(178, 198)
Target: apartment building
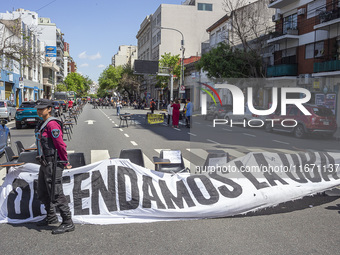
(54, 45)
(126, 55)
(164, 31)
(26, 83)
(307, 48)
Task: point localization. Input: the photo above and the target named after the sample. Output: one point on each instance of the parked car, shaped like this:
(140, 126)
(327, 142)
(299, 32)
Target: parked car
(5, 135)
(26, 115)
(7, 110)
(58, 109)
(246, 117)
(322, 121)
(64, 104)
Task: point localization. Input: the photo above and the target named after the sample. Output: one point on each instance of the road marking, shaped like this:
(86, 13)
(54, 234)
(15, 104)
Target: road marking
(192, 134)
(199, 152)
(212, 141)
(121, 129)
(227, 129)
(98, 155)
(116, 125)
(113, 122)
(33, 145)
(126, 135)
(90, 122)
(249, 135)
(280, 142)
(68, 152)
(177, 129)
(134, 143)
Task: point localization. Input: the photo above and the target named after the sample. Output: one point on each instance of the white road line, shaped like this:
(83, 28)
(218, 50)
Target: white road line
(280, 142)
(113, 122)
(33, 145)
(212, 141)
(98, 155)
(148, 163)
(121, 129)
(249, 135)
(199, 152)
(126, 135)
(70, 152)
(227, 129)
(134, 143)
(116, 125)
(192, 134)
(177, 129)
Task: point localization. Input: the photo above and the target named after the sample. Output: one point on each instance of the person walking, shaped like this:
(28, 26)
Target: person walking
(49, 137)
(175, 113)
(118, 105)
(169, 110)
(152, 106)
(188, 113)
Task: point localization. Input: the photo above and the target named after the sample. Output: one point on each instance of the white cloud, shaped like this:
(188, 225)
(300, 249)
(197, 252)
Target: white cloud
(94, 57)
(83, 55)
(101, 66)
(84, 65)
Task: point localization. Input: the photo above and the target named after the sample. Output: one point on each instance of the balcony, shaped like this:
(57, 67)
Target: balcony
(282, 70)
(327, 16)
(290, 34)
(280, 3)
(327, 66)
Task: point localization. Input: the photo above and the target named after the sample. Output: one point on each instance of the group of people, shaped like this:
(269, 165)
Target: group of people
(173, 110)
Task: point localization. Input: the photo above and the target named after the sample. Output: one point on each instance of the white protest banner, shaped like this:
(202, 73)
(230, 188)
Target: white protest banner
(117, 191)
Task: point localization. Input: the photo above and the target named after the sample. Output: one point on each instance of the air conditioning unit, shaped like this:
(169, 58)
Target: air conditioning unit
(276, 17)
(301, 11)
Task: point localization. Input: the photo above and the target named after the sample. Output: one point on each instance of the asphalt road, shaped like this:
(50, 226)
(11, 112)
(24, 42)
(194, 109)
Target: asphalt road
(307, 226)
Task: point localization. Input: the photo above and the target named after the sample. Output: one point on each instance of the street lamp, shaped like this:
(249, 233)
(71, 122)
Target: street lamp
(181, 81)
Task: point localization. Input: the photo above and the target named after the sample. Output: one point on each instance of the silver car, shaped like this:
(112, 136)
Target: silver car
(7, 110)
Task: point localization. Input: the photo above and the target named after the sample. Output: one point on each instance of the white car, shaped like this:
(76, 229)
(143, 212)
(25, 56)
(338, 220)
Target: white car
(244, 118)
(7, 110)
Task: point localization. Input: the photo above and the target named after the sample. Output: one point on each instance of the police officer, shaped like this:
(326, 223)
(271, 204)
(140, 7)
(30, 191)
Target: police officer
(50, 137)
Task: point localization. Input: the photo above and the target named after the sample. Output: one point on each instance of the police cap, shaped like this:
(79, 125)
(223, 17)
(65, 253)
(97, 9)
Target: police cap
(43, 103)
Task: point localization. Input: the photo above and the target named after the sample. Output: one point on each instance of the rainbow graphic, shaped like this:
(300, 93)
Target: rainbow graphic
(213, 90)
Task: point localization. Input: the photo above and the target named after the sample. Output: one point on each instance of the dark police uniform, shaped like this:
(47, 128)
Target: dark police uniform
(50, 137)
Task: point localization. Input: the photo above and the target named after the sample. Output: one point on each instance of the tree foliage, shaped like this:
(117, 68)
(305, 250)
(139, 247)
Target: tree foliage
(129, 82)
(169, 64)
(226, 62)
(110, 77)
(77, 83)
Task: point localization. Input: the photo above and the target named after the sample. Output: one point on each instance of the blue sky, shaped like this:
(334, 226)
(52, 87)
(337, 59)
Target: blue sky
(93, 28)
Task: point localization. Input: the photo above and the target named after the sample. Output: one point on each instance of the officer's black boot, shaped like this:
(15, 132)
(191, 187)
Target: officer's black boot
(66, 226)
(51, 217)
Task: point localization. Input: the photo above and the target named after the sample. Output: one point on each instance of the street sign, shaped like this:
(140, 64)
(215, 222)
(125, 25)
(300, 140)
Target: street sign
(21, 84)
(182, 89)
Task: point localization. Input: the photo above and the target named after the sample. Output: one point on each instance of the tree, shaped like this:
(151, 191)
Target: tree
(61, 87)
(110, 77)
(18, 45)
(169, 64)
(226, 62)
(77, 83)
(129, 81)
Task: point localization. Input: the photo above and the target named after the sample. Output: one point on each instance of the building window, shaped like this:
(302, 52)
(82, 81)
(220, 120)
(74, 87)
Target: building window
(158, 19)
(289, 23)
(204, 7)
(154, 40)
(159, 36)
(314, 50)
